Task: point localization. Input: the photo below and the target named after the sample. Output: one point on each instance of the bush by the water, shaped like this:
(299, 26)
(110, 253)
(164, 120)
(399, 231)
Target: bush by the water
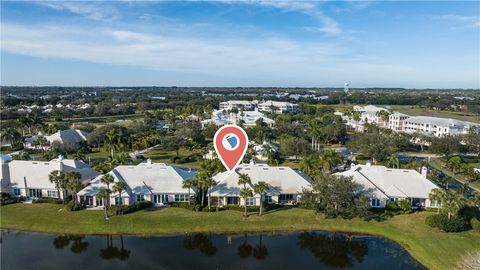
(48, 200)
(442, 222)
(126, 209)
(197, 207)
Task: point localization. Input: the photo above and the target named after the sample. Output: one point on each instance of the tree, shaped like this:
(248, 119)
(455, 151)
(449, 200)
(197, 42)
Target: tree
(309, 165)
(114, 141)
(294, 146)
(119, 187)
(393, 161)
(107, 179)
(74, 184)
(79, 156)
(208, 183)
(329, 159)
(188, 184)
(436, 195)
(11, 135)
(375, 145)
(261, 188)
(58, 179)
(454, 163)
(174, 144)
(245, 192)
(103, 194)
(450, 201)
(336, 196)
(446, 145)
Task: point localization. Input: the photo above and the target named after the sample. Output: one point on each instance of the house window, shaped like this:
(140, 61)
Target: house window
(250, 201)
(434, 204)
(181, 197)
(375, 202)
(16, 191)
(267, 199)
(285, 197)
(140, 198)
(118, 201)
(52, 193)
(232, 200)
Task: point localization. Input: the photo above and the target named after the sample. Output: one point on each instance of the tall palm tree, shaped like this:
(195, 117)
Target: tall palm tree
(245, 192)
(58, 179)
(107, 179)
(103, 194)
(437, 195)
(188, 184)
(200, 180)
(450, 201)
(209, 183)
(261, 188)
(119, 187)
(79, 156)
(74, 184)
(11, 135)
(454, 163)
(113, 141)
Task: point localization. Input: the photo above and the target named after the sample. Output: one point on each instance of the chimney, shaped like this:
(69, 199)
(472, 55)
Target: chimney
(252, 162)
(369, 164)
(424, 172)
(60, 162)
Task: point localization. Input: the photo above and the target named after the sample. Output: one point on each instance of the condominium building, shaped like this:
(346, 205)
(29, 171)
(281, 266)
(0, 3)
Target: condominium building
(396, 121)
(238, 104)
(438, 127)
(278, 107)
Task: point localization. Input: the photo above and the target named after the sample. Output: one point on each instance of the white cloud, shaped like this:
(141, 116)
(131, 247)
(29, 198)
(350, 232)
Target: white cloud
(468, 21)
(94, 10)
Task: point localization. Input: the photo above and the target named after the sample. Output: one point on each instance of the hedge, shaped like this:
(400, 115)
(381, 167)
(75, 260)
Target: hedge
(442, 222)
(48, 200)
(126, 209)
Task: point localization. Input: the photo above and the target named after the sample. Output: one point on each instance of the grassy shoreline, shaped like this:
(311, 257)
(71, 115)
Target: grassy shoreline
(433, 249)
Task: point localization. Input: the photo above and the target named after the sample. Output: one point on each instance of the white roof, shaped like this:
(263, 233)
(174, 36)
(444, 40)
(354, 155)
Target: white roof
(276, 103)
(382, 182)
(36, 172)
(237, 102)
(73, 135)
(145, 178)
(368, 108)
(443, 122)
(282, 180)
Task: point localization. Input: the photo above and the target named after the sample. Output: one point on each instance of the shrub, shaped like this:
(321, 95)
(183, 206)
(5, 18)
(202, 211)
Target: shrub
(442, 222)
(405, 206)
(183, 205)
(392, 208)
(48, 200)
(70, 206)
(126, 209)
(475, 223)
(10, 200)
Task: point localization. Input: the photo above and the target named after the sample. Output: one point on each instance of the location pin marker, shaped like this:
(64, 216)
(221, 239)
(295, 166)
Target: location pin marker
(230, 143)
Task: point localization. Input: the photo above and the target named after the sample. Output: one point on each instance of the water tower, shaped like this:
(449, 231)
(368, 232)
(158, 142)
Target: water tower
(345, 88)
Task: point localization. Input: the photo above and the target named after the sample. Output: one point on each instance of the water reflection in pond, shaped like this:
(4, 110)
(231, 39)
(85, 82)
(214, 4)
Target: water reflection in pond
(307, 250)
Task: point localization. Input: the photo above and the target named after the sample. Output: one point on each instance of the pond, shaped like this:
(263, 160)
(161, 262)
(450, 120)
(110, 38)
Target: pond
(303, 250)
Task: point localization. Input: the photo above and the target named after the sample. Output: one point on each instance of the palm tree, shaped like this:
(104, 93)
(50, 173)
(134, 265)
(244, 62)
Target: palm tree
(261, 188)
(245, 192)
(209, 183)
(58, 179)
(43, 142)
(437, 196)
(309, 165)
(119, 187)
(113, 141)
(188, 184)
(454, 163)
(329, 159)
(11, 135)
(450, 201)
(122, 158)
(103, 194)
(200, 180)
(74, 184)
(107, 179)
(79, 156)
(393, 161)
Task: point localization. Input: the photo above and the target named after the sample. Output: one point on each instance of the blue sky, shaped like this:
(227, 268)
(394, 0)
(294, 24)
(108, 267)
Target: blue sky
(241, 43)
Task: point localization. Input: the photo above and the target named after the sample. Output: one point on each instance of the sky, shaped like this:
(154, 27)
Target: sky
(427, 44)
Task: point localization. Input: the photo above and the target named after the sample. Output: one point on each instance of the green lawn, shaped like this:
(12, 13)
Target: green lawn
(434, 249)
(415, 111)
(157, 154)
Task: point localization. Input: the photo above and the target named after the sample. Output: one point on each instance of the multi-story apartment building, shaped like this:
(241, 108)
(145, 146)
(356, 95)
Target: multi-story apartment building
(238, 104)
(396, 121)
(278, 107)
(438, 127)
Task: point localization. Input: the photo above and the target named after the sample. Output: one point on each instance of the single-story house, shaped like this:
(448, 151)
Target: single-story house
(383, 184)
(285, 185)
(262, 150)
(147, 181)
(61, 136)
(31, 178)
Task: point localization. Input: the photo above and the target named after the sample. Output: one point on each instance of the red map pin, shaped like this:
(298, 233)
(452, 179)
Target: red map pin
(230, 143)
